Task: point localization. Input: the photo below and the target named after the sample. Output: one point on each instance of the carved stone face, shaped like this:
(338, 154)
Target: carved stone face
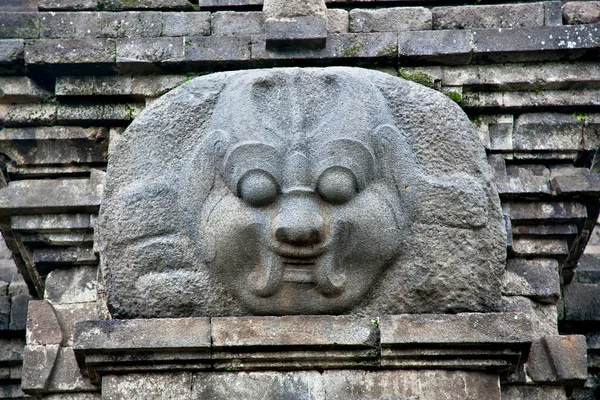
(304, 228)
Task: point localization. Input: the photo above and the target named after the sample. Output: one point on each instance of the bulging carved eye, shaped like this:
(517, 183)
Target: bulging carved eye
(257, 188)
(337, 185)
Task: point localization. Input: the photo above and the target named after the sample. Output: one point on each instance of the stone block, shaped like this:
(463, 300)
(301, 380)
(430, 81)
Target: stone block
(131, 24)
(581, 12)
(226, 4)
(71, 51)
(538, 279)
(390, 19)
(145, 335)
(55, 145)
(172, 5)
(582, 185)
(337, 21)
(232, 23)
(67, 5)
(558, 360)
(38, 363)
(149, 49)
(582, 301)
(543, 316)
(172, 385)
(66, 375)
(18, 5)
(27, 114)
(17, 286)
(455, 329)
(97, 113)
(18, 312)
(217, 48)
(522, 212)
(43, 327)
(11, 55)
(186, 23)
(19, 25)
(547, 131)
(553, 14)
(532, 44)
(489, 16)
(526, 247)
(4, 312)
(340, 46)
(447, 47)
(68, 315)
(11, 349)
(304, 32)
(74, 396)
(51, 222)
(530, 392)
(501, 131)
(21, 89)
(292, 331)
(73, 285)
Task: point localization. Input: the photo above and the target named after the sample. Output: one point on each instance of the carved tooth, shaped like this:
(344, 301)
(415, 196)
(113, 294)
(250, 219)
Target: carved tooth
(329, 283)
(267, 279)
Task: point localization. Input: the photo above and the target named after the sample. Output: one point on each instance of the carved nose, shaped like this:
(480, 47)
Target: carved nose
(299, 222)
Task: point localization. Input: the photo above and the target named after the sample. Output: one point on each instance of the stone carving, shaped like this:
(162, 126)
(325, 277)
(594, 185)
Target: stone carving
(300, 191)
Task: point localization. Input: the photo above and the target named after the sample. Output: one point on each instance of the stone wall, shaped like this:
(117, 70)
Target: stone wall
(75, 73)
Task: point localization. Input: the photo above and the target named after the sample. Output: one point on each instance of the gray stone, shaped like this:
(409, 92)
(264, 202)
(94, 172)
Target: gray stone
(447, 47)
(19, 5)
(122, 24)
(55, 145)
(66, 375)
(67, 5)
(71, 51)
(216, 49)
(553, 13)
(558, 360)
(11, 54)
(17, 286)
(337, 21)
(538, 279)
(172, 5)
(390, 19)
(21, 89)
(501, 131)
(11, 349)
(51, 222)
(4, 312)
(43, 327)
(196, 266)
(226, 4)
(304, 32)
(69, 315)
(172, 385)
(186, 23)
(74, 396)
(523, 212)
(485, 17)
(149, 49)
(230, 23)
(73, 285)
(583, 185)
(98, 113)
(529, 392)
(27, 114)
(294, 8)
(18, 312)
(543, 316)
(528, 247)
(19, 25)
(347, 384)
(547, 131)
(38, 363)
(582, 301)
(581, 12)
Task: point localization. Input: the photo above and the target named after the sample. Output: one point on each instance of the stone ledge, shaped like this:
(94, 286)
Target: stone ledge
(490, 342)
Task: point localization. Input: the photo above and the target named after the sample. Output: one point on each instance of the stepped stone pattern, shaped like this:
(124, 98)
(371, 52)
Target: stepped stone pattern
(82, 80)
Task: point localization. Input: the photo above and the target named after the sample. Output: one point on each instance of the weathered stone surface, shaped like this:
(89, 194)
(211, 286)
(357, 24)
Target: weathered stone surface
(51, 222)
(582, 301)
(11, 349)
(43, 327)
(55, 145)
(73, 285)
(304, 32)
(543, 316)
(527, 212)
(149, 49)
(72, 51)
(294, 8)
(538, 279)
(74, 396)
(390, 19)
(337, 21)
(66, 376)
(44, 196)
(19, 89)
(69, 315)
(581, 12)
(230, 23)
(553, 15)
(484, 17)
(113, 5)
(548, 131)
(18, 5)
(19, 25)
(217, 49)
(529, 392)
(158, 249)
(173, 385)
(64, 5)
(558, 360)
(347, 384)
(11, 54)
(464, 328)
(186, 24)
(526, 247)
(182, 334)
(98, 113)
(28, 114)
(581, 185)
(18, 312)
(38, 363)
(447, 47)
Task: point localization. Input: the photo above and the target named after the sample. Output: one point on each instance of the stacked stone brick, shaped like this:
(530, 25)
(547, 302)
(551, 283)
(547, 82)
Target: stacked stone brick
(75, 73)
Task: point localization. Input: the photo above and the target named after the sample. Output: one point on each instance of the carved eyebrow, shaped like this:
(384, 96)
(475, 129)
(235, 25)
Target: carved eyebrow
(244, 156)
(349, 153)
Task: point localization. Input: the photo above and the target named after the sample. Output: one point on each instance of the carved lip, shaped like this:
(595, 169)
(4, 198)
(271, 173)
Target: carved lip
(299, 271)
(296, 253)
